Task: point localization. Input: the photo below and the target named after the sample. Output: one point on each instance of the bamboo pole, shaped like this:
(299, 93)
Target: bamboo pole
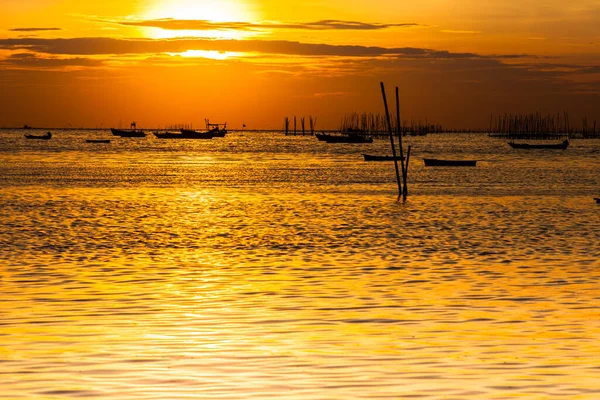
(405, 191)
(389, 124)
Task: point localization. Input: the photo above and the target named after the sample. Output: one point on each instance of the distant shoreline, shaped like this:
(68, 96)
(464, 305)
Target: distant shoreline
(234, 130)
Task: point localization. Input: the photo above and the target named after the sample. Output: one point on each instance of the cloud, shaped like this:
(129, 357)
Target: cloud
(106, 46)
(34, 29)
(28, 60)
(205, 25)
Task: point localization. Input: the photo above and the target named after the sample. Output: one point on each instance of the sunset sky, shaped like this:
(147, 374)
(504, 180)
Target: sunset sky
(160, 62)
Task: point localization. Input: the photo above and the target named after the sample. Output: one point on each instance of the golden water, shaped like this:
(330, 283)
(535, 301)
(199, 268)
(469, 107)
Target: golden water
(263, 266)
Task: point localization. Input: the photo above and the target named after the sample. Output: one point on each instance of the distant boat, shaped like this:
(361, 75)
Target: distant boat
(369, 157)
(350, 137)
(98, 140)
(212, 131)
(46, 136)
(216, 129)
(184, 134)
(556, 146)
(434, 162)
(133, 132)
(128, 132)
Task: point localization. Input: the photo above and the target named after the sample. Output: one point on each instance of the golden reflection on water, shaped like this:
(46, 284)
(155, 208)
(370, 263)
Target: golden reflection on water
(139, 277)
(217, 300)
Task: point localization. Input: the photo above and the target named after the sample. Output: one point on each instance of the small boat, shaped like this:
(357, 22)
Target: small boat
(98, 140)
(184, 134)
(350, 137)
(127, 133)
(46, 136)
(216, 129)
(434, 162)
(369, 157)
(133, 132)
(597, 199)
(212, 131)
(556, 146)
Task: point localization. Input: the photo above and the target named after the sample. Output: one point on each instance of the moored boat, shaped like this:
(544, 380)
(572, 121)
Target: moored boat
(212, 131)
(344, 138)
(133, 132)
(128, 132)
(46, 136)
(556, 146)
(184, 134)
(369, 157)
(435, 162)
(97, 140)
(216, 129)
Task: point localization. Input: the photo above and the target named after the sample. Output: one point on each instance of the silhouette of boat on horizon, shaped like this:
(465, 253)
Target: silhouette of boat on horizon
(370, 157)
(213, 130)
(98, 140)
(349, 136)
(46, 136)
(435, 162)
(133, 132)
(556, 146)
(216, 128)
(184, 134)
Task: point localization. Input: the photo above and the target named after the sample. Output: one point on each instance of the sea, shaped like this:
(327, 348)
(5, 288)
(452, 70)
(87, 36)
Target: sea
(265, 266)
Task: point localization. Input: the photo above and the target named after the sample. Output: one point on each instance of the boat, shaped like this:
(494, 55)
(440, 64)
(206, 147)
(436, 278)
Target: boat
(597, 199)
(184, 134)
(127, 133)
(133, 132)
(213, 130)
(556, 146)
(349, 137)
(369, 157)
(98, 140)
(46, 136)
(216, 129)
(434, 162)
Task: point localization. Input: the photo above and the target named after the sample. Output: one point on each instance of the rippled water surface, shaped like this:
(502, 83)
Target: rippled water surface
(264, 266)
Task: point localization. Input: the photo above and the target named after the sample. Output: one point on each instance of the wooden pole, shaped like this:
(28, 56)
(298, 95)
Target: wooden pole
(405, 191)
(389, 124)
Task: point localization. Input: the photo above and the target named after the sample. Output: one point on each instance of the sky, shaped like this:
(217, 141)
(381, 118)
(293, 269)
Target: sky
(67, 63)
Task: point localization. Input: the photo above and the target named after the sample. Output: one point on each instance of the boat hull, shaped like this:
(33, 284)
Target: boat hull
(185, 134)
(557, 146)
(369, 157)
(343, 138)
(434, 162)
(127, 133)
(36, 137)
(98, 141)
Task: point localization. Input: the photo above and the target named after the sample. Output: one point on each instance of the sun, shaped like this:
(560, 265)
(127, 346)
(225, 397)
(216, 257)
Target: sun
(204, 10)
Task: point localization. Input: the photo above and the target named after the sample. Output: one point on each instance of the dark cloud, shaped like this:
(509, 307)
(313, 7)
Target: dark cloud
(205, 25)
(34, 61)
(97, 46)
(34, 29)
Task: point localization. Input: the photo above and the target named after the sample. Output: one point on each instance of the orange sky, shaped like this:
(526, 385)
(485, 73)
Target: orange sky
(71, 63)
